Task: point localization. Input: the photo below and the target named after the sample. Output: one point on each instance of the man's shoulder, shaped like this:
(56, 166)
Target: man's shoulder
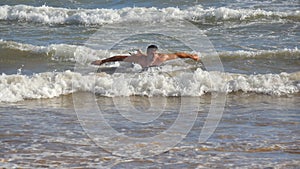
(165, 55)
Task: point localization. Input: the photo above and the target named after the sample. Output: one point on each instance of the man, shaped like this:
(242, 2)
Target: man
(152, 58)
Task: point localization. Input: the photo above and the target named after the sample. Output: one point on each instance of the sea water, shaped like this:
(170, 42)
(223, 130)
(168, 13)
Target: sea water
(51, 96)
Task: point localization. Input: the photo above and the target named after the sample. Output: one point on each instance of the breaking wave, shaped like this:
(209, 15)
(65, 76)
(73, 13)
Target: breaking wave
(149, 83)
(52, 15)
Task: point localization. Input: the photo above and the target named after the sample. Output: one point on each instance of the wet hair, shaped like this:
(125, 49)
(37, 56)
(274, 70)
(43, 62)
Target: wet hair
(152, 47)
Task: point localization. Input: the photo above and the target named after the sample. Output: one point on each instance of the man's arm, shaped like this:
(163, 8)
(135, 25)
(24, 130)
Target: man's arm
(181, 55)
(111, 59)
(132, 58)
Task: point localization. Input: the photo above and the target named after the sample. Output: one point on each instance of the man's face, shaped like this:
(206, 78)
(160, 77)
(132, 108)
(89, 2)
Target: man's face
(151, 51)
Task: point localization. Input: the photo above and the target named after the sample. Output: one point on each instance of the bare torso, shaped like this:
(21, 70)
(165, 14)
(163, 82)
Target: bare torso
(146, 61)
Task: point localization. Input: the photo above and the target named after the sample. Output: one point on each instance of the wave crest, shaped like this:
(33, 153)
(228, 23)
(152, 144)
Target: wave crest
(52, 15)
(281, 53)
(150, 83)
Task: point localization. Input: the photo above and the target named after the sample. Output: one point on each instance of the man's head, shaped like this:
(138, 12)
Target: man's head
(152, 49)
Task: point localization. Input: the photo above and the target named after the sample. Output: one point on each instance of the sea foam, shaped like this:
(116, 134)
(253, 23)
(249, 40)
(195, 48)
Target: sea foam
(53, 15)
(148, 83)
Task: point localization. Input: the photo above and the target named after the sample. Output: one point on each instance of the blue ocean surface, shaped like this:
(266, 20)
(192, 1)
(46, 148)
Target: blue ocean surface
(245, 87)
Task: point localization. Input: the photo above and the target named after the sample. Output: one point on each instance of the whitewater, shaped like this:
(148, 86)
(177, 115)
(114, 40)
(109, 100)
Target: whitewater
(52, 15)
(48, 85)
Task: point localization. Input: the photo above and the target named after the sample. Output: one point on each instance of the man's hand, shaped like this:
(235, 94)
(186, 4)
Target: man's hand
(195, 57)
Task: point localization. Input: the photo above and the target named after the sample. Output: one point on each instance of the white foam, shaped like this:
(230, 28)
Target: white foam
(52, 15)
(292, 53)
(23, 47)
(60, 52)
(150, 83)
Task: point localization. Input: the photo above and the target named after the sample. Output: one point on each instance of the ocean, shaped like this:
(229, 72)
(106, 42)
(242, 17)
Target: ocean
(238, 107)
